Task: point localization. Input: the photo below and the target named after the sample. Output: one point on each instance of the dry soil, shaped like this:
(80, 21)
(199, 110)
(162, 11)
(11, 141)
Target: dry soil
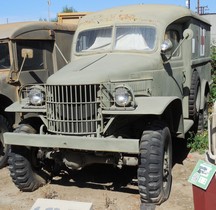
(104, 186)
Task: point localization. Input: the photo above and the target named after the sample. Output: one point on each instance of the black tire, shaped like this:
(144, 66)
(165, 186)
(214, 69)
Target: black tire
(194, 97)
(203, 116)
(25, 173)
(155, 164)
(4, 149)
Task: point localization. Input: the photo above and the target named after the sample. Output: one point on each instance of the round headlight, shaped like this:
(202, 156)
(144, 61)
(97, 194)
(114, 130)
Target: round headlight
(36, 97)
(123, 96)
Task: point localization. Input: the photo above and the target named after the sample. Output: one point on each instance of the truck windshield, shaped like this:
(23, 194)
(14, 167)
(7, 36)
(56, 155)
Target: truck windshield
(126, 38)
(37, 60)
(94, 40)
(4, 56)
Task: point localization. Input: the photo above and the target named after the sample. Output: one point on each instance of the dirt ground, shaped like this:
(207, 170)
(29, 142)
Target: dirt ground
(102, 186)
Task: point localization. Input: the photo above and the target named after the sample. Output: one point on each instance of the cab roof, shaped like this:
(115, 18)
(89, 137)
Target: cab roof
(22, 30)
(143, 13)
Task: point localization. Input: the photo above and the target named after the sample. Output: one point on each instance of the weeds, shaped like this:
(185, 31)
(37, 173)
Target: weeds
(198, 143)
(51, 195)
(110, 202)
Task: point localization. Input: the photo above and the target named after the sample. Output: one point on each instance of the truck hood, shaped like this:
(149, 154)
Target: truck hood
(104, 68)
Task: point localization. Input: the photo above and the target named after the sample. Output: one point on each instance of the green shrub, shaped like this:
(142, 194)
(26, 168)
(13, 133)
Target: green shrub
(212, 96)
(198, 143)
(213, 57)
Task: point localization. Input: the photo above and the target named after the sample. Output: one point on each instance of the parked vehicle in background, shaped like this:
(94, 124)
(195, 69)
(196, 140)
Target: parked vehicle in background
(138, 79)
(30, 53)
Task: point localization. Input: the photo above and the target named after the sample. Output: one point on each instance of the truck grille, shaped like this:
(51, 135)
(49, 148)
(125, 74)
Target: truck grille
(72, 109)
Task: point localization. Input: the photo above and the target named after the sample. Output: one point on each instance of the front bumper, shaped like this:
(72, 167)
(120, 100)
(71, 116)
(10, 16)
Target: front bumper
(118, 145)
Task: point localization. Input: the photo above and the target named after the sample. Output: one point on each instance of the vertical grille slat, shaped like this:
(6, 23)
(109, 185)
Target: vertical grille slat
(63, 110)
(72, 110)
(86, 107)
(91, 108)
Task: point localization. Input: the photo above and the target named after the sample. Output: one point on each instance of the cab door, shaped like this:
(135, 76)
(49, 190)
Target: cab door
(175, 65)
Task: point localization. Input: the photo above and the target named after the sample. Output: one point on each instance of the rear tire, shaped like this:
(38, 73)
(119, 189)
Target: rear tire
(194, 97)
(4, 149)
(154, 170)
(25, 170)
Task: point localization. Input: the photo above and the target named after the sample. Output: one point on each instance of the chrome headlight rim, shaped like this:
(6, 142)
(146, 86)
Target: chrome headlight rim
(36, 96)
(123, 96)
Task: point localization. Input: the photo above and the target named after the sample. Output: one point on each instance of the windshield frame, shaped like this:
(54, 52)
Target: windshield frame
(31, 64)
(113, 39)
(8, 55)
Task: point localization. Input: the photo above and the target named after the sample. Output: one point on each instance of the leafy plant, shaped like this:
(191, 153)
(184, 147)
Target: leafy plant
(213, 86)
(212, 97)
(213, 56)
(199, 142)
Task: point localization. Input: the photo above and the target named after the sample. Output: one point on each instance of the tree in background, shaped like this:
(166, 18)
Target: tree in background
(68, 9)
(212, 97)
(213, 55)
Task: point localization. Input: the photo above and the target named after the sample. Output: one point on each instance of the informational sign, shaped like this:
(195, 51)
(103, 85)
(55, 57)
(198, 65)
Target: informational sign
(53, 204)
(202, 174)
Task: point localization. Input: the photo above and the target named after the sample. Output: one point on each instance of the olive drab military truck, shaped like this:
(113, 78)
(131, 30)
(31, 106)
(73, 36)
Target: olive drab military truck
(139, 77)
(30, 53)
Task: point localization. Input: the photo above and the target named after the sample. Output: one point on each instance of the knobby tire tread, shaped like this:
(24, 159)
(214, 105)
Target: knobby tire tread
(150, 179)
(193, 112)
(4, 127)
(19, 164)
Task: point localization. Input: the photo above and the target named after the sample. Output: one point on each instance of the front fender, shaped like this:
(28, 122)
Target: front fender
(169, 108)
(21, 108)
(146, 106)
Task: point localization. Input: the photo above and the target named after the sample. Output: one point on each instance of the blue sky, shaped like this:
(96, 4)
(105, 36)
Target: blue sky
(28, 10)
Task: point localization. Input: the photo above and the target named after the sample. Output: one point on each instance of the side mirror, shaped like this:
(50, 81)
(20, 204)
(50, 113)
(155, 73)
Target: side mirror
(27, 53)
(166, 45)
(188, 34)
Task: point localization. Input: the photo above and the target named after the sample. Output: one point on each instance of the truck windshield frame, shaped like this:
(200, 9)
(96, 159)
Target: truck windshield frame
(120, 38)
(37, 61)
(4, 56)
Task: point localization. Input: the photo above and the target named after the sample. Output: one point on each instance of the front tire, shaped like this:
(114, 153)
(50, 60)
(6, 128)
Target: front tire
(155, 164)
(4, 149)
(25, 170)
(23, 175)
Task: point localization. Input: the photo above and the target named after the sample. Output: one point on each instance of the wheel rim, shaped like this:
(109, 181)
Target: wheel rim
(166, 166)
(198, 99)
